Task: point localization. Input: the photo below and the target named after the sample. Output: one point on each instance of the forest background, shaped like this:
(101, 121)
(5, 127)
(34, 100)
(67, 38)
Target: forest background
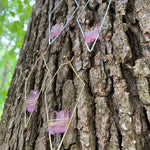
(14, 18)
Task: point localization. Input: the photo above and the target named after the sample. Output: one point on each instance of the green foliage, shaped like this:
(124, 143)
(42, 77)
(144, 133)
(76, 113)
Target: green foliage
(14, 17)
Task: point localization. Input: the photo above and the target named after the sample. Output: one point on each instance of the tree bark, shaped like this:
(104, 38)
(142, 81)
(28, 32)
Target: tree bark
(114, 112)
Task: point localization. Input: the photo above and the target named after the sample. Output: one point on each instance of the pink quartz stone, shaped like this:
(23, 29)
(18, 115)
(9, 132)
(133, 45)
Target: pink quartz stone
(56, 29)
(59, 125)
(31, 101)
(91, 35)
(87, 36)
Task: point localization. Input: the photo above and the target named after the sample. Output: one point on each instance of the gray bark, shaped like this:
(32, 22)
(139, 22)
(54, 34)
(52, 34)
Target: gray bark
(114, 112)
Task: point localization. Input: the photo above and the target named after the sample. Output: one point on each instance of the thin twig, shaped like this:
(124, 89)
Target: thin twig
(46, 100)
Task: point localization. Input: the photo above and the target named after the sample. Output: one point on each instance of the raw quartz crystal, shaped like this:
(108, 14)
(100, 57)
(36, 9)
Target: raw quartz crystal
(91, 35)
(56, 29)
(31, 101)
(59, 125)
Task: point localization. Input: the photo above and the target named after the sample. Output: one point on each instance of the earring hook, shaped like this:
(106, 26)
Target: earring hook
(99, 30)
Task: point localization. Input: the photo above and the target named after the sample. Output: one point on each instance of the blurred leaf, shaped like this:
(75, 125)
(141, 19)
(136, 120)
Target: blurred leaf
(3, 18)
(12, 13)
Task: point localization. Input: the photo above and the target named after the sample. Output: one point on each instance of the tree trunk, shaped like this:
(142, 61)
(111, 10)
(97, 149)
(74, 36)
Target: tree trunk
(114, 111)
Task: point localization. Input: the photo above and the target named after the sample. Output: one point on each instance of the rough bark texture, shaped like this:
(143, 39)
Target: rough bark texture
(114, 112)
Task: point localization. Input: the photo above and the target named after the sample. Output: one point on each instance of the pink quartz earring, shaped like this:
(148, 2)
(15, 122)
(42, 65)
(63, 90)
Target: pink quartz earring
(92, 35)
(59, 125)
(56, 29)
(62, 121)
(31, 99)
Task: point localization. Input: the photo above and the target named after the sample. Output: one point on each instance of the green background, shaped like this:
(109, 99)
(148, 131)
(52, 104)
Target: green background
(14, 18)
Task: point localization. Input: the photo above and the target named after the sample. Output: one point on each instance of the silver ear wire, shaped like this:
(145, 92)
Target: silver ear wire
(51, 41)
(99, 30)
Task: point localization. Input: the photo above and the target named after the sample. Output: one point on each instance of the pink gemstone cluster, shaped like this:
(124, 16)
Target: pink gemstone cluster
(31, 100)
(91, 35)
(56, 29)
(59, 125)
